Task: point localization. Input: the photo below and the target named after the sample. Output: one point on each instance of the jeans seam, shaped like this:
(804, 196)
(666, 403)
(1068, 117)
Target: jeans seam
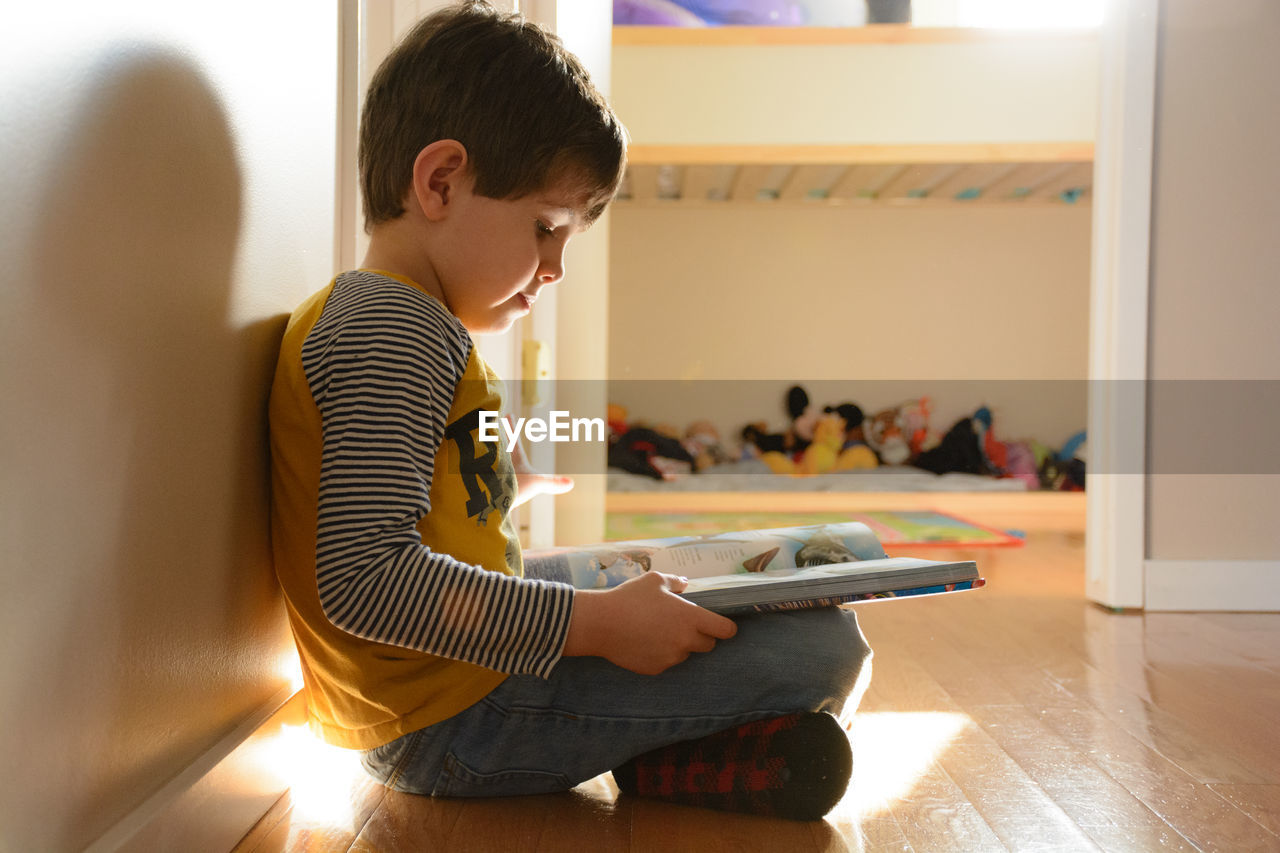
(398, 770)
(455, 772)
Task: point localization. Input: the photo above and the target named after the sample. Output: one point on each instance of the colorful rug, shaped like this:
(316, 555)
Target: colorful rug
(915, 527)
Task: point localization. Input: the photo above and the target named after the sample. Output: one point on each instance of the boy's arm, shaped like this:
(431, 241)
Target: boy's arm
(382, 364)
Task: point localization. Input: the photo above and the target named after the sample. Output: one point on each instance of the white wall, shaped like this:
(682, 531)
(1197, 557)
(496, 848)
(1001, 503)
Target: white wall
(168, 196)
(1214, 300)
(971, 305)
(1037, 87)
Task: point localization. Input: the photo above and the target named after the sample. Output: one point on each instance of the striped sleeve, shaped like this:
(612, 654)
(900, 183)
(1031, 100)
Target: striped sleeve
(382, 362)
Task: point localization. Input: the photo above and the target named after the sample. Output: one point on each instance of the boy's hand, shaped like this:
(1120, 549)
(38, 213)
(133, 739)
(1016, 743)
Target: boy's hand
(530, 482)
(643, 625)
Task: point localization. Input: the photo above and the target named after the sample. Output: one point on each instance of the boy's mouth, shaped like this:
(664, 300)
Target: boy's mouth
(527, 300)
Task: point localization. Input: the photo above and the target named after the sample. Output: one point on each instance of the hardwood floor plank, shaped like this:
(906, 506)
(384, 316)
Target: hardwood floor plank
(904, 685)
(255, 839)
(1255, 636)
(1017, 809)
(1094, 801)
(1090, 797)
(1225, 668)
(1260, 802)
(1006, 641)
(661, 827)
(582, 818)
(935, 815)
(1129, 839)
(1194, 810)
(1268, 623)
(880, 835)
(308, 827)
(967, 675)
(1253, 644)
(974, 794)
(1183, 741)
(1180, 732)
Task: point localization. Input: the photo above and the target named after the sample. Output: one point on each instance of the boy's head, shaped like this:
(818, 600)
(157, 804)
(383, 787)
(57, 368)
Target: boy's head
(522, 106)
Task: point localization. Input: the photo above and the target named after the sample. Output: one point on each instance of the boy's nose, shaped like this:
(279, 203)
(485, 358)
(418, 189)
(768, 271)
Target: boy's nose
(552, 268)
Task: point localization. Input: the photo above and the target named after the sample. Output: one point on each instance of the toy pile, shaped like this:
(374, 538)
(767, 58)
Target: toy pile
(662, 451)
(971, 446)
(840, 437)
(817, 442)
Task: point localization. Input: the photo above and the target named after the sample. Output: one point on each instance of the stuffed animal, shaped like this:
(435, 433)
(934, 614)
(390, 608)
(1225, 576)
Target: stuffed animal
(778, 462)
(1022, 464)
(960, 450)
(820, 456)
(1065, 469)
(617, 418)
(825, 453)
(702, 441)
(884, 434)
(853, 419)
(757, 441)
(996, 452)
(856, 457)
(649, 452)
(913, 420)
(803, 419)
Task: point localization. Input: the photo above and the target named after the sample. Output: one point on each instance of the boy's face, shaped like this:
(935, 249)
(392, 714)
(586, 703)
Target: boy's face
(502, 253)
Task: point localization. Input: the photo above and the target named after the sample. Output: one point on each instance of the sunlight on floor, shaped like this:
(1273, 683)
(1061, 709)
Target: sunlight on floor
(892, 750)
(320, 777)
(289, 666)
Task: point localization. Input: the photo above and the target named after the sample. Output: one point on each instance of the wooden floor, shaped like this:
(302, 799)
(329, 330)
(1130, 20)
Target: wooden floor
(1019, 717)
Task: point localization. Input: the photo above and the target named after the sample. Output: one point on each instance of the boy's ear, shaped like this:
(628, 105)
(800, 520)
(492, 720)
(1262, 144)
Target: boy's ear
(438, 175)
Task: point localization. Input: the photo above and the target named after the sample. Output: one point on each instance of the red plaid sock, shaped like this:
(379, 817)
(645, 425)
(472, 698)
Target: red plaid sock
(796, 766)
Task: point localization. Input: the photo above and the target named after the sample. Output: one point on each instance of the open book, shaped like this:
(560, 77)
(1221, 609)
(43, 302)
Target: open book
(748, 571)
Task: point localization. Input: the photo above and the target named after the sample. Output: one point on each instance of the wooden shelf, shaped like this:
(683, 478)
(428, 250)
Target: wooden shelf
(896, 181)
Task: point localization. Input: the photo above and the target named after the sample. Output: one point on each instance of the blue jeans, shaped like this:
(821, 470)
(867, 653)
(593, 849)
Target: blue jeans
(534, 735)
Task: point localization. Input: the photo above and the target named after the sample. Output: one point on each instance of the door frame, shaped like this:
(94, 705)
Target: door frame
(1116, 500)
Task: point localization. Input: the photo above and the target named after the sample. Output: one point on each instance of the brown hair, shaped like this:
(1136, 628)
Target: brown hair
(522, 106)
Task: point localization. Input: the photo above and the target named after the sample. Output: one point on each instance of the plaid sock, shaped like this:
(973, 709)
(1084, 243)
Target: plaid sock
(796, 767)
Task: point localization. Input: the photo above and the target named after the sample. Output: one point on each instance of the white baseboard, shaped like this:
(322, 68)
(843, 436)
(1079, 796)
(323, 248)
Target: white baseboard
(216, 800)
(1237, 585)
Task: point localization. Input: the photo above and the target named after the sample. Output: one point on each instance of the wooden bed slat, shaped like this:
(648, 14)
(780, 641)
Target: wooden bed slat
(960, 152)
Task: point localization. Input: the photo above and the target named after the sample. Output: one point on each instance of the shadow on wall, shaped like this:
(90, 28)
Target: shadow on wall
(139, 484)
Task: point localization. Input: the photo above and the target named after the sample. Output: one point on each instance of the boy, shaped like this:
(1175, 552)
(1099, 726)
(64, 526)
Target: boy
(484, 149)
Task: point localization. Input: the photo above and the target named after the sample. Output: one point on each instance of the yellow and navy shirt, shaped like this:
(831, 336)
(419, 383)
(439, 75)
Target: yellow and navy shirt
(401, 572)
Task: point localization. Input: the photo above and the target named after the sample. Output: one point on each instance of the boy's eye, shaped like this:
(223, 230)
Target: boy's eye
(544, 228)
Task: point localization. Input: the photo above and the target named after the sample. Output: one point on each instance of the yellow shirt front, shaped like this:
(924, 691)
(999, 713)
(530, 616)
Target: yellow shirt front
(393, 544)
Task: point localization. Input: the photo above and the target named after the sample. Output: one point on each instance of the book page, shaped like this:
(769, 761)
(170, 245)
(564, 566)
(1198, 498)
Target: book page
(838, 570)
(750, 552)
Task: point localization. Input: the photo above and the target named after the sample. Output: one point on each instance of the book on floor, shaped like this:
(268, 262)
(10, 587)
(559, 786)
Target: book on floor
(748, 571)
